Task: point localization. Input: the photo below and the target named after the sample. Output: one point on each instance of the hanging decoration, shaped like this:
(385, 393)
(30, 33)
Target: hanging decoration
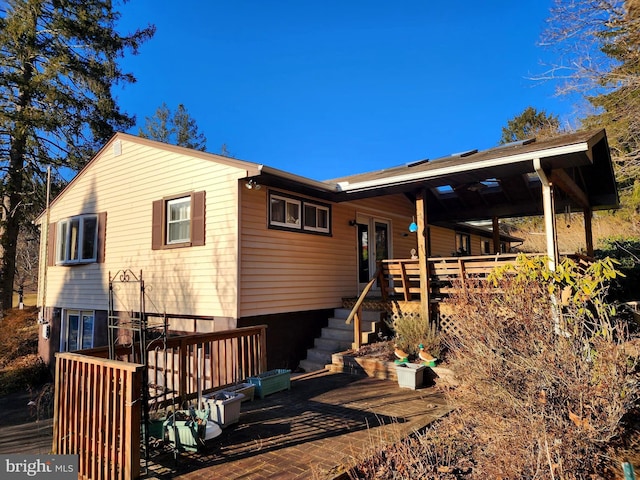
(413, 228)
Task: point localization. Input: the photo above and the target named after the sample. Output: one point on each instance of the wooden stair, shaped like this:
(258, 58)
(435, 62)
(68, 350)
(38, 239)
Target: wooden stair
(337, 336)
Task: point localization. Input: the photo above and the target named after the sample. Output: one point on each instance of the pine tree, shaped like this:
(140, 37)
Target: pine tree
(177, 128)
(58, 65)
(530, 123)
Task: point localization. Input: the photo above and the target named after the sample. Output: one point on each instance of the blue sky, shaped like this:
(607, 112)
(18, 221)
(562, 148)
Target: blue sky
(335, 87)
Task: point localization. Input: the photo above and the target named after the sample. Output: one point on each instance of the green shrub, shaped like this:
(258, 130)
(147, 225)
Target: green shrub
(626, 251)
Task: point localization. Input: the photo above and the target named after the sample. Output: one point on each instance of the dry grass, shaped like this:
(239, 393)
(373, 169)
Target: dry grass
(570, 231)
(534, 401)
(20, 366)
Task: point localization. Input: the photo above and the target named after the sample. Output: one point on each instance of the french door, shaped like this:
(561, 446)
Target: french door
(374, 244)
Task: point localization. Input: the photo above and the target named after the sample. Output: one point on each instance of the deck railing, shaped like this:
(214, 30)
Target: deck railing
(98, 402)
(208, 361)
(97, 415)
(402, 277)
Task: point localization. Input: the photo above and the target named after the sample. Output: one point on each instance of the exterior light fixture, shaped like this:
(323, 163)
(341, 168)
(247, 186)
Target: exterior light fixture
(252, 185)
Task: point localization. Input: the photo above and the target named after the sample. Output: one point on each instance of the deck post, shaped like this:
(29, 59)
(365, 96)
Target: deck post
(588, 232)
(423, 255)
(496, 235)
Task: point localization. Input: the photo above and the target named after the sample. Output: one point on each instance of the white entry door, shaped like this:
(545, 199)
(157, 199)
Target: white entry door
(374, 244)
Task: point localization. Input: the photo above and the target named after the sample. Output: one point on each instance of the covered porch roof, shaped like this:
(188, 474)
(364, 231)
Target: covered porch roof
(500, 182)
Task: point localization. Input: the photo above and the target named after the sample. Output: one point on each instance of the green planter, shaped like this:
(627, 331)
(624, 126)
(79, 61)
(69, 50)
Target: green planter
(186, 429)
(272, 381)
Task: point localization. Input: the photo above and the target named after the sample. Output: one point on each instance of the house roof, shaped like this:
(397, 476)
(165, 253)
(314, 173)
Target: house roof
(474, 185)
(500, 182)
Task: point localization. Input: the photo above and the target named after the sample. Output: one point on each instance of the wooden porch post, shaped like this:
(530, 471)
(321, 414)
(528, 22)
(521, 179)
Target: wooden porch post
(588, 232)
(423, 255)
(496, 235)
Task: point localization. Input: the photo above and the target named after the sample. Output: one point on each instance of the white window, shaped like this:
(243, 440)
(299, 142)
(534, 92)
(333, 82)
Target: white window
(77, 240)
(285, 212)
(76, 331)
(179, 220)
(295, 213)
(316, 218)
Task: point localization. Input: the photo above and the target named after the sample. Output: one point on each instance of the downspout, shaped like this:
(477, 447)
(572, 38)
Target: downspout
(549, 215)
(42, 313)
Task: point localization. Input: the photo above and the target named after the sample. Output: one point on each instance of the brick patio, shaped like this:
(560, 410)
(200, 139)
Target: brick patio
(327, 420)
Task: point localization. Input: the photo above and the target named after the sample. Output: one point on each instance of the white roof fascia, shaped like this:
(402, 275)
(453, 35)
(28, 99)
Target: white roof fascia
(494, 162)
(297, 178)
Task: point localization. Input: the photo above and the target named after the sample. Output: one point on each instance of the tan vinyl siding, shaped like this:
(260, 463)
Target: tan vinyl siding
(289, 271)
(443, 242)
(198, 280)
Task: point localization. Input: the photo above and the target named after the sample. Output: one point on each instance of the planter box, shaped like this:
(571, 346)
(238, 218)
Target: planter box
(270, 382)
(187, 434)
(224, 407)
(246, 389)
(410, 375)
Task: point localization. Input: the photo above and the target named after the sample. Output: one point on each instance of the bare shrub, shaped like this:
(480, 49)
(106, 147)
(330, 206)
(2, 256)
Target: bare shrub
(422, 456)
(545, 385)
(413, 330)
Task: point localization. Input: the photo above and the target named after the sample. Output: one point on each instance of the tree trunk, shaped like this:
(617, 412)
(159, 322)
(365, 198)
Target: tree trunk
(13, 219)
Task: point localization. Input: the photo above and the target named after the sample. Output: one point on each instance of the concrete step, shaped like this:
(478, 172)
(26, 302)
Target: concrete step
(371, 315)
(309, 366)
(337, 333)
(341, 324)
(337, 336)
(331, 344)
(319, 356)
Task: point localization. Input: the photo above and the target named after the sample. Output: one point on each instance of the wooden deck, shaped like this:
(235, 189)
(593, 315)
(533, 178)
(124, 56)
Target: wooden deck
(98, 411)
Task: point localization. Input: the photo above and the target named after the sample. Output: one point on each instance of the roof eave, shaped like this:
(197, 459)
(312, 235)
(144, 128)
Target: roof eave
(480, 165)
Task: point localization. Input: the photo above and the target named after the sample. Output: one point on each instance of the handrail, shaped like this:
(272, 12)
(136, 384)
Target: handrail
(356, 311)
(363, 295)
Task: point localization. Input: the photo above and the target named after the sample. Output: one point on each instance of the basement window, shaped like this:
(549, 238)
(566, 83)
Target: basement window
(76, 332)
